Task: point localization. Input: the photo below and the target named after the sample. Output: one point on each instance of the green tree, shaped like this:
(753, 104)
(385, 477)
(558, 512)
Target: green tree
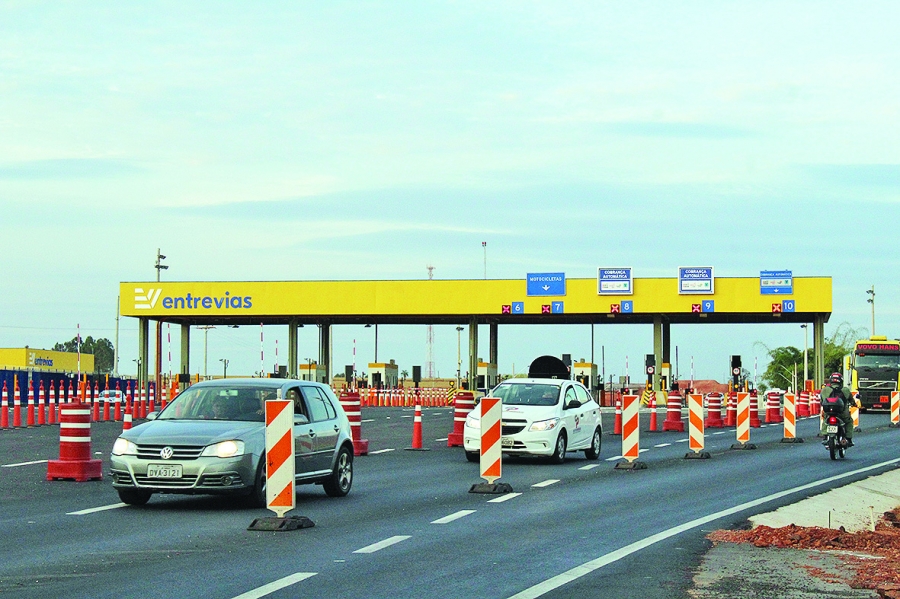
(787, 360)
(102, 350)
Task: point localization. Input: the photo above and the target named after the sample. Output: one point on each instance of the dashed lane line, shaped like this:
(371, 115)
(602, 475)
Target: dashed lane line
(383, 544)
(277, 585)
(380, 451)
(589, 467)
(504, 497)
(454, 516)
(94, 510)
(24, 464)
(545, 483)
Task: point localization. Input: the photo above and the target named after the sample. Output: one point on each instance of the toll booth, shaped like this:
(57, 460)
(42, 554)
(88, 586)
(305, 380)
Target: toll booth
(383, 375)
(311, 371)
(486, 375)
(585, 373)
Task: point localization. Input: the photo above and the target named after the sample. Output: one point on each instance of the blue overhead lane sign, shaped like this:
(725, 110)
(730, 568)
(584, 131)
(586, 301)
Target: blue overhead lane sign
(546, 283)
(776, 282)
(614, 281)
(696, 279)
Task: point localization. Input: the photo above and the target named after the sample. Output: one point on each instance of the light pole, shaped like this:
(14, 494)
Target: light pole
(309, 369)
(871, 300)
(224, 362)
(159, 268)
(458, 355)
(484, 247)
(205, 328)
(805, 352)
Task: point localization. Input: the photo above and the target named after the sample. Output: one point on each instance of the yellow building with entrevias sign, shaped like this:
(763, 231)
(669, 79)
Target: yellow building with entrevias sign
(46, 360)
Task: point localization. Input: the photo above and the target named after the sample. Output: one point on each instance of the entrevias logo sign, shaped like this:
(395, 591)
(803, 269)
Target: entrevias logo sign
(148, 300)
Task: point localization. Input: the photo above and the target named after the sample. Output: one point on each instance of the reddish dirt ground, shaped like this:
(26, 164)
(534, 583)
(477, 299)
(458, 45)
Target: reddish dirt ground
(881, 575)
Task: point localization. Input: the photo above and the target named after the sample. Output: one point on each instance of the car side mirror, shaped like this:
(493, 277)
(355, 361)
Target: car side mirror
(573, 404)
(300, 419)
(152, 415)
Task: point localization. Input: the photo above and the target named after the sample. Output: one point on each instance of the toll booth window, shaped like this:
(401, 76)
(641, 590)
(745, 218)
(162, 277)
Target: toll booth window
(320, 407)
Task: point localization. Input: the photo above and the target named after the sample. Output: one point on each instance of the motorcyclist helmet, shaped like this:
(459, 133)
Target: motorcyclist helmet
(836, 379)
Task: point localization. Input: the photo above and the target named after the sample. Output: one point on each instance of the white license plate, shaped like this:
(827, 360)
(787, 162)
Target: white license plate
(506, 442)
(831, 429)
(164, 471)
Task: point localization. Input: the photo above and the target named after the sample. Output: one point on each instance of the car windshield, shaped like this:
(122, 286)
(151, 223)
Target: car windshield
(218, 403)
(527, 394)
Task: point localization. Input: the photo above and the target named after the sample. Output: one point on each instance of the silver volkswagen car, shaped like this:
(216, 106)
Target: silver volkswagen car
(211, 439)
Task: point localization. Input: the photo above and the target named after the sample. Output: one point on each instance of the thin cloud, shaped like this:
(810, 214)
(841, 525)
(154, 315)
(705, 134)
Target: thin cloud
(68, 168)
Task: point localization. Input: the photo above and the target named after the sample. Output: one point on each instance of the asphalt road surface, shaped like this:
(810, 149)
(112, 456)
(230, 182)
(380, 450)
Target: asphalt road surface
(410, 527)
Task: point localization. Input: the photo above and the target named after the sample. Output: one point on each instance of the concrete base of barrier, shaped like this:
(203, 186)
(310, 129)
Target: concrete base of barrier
(743, 446)
(361, 447)
(455, 440)
(630, 466)
(892, 425)
(491, 488)
(285, 524)
(693, 455)
(78, 470)
(794, 440)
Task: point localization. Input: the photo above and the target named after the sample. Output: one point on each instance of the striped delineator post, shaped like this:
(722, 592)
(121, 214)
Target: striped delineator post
(631, 435)
(895, 408)
(52, 402)
(17, 404)
(280, 497)
(790, 419)
(75, 446)
(41, 412)
(117, 411)
(743, 422)
(854, 413)
(491, 451)
(417, 429)
(696, 438)
(95, 402)
(30, 416)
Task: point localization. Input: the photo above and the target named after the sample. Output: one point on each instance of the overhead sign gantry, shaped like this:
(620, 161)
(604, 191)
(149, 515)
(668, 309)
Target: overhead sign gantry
(614, 297)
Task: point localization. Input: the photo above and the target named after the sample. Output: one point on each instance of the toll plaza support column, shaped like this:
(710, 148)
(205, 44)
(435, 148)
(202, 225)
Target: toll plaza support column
(185, 350)
(473, 353)
(293, 363)
(325, 349)
(143, 350)
(819, 351)
(657, 348)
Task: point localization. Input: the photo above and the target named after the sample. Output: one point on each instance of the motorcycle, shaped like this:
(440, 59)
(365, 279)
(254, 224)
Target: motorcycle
(835, 436)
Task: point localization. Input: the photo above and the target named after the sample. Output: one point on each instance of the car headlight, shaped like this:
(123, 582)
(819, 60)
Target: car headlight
(544, 425)
(124, 447)
(225, 449)
(473, 421)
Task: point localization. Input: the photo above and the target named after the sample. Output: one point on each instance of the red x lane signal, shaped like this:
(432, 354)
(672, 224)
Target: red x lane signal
(507, 309)
(695, 308)
(545, 309)
(776, 308)
(615, 308)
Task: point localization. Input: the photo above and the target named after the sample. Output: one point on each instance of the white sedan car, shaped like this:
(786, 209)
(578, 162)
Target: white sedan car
(542, 417)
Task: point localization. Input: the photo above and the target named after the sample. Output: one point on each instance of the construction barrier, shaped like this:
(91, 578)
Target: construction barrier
(350, 401)
(280, 496)
(895, 407)
(417, 428)
(75, 446)
(617, 423)
(491, 466)
(4, 416)
(743, 422)
(652, 402)
(30, 398)
(773, 408)
(464, 403)
(126, 422)
(631, 436)
(52, 403)
(714, 411)
(803, 405)
(790, 420)
(731, 410)
(696, 438)
(754, 410)
(95, 402)
(673, 413)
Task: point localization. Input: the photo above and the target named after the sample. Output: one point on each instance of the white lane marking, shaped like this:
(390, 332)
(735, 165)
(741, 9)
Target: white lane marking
(614, 458)
(545, 483)
(368, 420)
(454, 516)
(24, 464)
(589, 467)
(380, 451)
(720, 433)
(504, 497)
(682, 440)
(642, 450)
(577, 572)
(662, 445)
(279, 584)
(442, 439)
(382, 544)
(94, 510)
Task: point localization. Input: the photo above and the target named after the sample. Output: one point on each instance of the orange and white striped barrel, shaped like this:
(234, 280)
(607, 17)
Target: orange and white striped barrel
(895, 408)
(464, 403)
(280, 496)
(743, 417)
(351, 403)
(803, 405)
(74, 446)
(790, 417)
(696, 440)
(630, 429)
(491, 428)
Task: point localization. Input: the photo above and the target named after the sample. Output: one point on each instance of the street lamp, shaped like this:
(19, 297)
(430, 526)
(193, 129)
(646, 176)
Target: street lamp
(309, 369)
(484, 247)
(368, 326)
(458, 355)
(871, 300)
(805, 353)
(224, 362)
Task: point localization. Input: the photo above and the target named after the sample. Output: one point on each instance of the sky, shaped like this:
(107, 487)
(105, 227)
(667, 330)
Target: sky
(368, 140)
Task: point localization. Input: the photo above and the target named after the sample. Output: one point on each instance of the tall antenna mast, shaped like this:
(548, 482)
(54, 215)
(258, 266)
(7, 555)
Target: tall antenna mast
(429, 338)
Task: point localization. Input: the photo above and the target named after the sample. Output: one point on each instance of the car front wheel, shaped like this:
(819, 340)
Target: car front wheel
(134, 496)
(341, 479)
(559, 453)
